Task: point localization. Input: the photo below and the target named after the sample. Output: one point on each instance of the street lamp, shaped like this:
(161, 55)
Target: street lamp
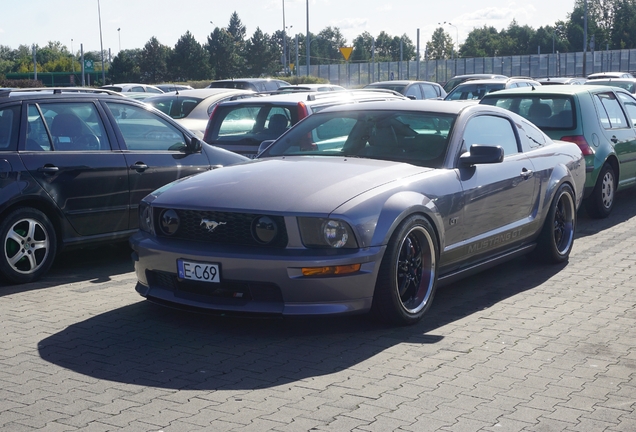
(288, 59)
(119, 36)
(456, 33)
(72, 57)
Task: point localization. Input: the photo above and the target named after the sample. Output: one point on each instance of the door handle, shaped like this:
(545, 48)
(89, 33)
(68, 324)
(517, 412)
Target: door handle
(139, 166)
(526, 173)
(48, 169)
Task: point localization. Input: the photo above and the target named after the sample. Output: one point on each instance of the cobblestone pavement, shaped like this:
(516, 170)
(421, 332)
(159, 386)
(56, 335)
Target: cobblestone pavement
(521, 347)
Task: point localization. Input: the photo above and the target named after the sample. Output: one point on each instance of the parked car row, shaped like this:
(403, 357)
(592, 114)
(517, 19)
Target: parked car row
(350, 201)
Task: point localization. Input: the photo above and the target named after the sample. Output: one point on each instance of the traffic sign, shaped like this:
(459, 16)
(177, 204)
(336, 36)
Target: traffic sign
(346, 52)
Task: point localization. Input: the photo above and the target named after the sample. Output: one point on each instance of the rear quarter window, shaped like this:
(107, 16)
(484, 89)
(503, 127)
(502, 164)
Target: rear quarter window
(9, 125)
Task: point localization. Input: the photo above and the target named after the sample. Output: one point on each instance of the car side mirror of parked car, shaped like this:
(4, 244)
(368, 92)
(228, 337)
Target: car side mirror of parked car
(263, 146)
(482, 154)
(194, 146)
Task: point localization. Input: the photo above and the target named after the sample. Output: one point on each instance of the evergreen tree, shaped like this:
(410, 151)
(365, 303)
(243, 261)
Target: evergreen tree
(153, 63)
(188, 60)
(124, 68)
(261, 57)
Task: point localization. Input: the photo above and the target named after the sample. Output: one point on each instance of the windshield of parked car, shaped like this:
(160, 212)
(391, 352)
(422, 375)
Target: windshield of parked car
(395, 87)
(176, 106)
(470, 91)
(547, 112)
(249, 124)
(629, 86)
(420, 138)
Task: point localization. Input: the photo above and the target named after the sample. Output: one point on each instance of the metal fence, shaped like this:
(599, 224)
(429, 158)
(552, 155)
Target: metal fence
(537, 66)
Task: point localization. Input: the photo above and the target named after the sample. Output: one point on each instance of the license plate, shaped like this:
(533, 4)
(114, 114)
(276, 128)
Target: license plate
(197, 271)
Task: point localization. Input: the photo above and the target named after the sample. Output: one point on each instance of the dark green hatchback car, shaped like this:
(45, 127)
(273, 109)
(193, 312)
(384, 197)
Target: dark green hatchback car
(600, 119)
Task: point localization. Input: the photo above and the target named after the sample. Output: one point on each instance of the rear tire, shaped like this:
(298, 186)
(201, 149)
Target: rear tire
(557, 235)
(600, 203)
(29, 245)
(408, 273)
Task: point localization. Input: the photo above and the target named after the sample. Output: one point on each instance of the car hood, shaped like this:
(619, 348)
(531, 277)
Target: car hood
(303, 184)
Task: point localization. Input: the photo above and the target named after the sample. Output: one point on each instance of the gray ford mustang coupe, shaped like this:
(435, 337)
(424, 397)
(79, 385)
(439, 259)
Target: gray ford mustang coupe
(361, 208)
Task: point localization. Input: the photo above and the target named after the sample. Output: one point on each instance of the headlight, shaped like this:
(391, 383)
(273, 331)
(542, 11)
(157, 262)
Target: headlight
(326, 233)
(146, 218)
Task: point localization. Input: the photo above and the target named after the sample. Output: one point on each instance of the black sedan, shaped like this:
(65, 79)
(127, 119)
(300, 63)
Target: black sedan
(74, 166)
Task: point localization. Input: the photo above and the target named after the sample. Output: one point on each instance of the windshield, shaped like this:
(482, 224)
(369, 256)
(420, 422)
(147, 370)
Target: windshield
(420, 138)
(471, 91)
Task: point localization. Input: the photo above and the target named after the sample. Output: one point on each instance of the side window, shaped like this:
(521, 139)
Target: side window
(429, 91)
(413, 91)
(9, 121)
(610, 112)
(630, 105)
(144, 130)
(491, 130)
(73, 126)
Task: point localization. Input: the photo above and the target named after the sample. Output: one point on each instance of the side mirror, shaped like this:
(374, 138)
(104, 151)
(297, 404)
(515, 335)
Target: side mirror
(482, 154)
(194, 146)
(264, 145)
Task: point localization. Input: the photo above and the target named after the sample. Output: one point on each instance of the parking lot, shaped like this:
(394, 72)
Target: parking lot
(521, 347)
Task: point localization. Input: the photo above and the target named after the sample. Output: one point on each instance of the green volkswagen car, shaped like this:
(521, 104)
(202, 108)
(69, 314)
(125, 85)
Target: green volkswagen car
(601, 120)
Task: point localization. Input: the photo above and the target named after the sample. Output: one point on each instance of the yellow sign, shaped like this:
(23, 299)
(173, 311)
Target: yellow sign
(346, 52)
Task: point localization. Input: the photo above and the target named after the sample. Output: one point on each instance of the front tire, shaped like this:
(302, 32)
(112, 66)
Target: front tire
(408, 273)
(600, 203)
(557, 235)
(29, 245)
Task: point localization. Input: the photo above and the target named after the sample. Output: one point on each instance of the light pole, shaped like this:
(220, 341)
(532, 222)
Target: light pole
(101, 44)
(284, 41)
(119, 37)
(288, 59)
(72, 57)
(456, 33)
(559, 27)
(308, 41)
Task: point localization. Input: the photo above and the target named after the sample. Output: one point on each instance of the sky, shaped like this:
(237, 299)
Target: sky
(129, 24)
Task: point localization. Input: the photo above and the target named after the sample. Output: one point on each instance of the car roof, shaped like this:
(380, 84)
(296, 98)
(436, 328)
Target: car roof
(400, 82)
(308, 97)
(564, 89)
(431, 105)
(204, 92)
(38, 92)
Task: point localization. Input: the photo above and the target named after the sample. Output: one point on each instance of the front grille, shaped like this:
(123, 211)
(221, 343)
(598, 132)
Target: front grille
(226, 292)
(228, 228)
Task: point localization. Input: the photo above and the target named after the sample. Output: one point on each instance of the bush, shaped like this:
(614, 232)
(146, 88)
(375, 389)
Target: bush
(23, 83)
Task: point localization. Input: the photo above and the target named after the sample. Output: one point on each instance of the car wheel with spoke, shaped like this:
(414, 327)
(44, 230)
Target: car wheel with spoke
(29, 245)
(600, 203)
(408, 273)
(557, 235)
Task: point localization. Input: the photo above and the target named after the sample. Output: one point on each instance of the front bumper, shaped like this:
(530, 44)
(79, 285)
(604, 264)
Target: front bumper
(256, 280)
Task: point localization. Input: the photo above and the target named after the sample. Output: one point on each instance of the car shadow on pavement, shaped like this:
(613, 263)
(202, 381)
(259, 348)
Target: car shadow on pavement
(104, 262)
(149, 345)
(624, 209)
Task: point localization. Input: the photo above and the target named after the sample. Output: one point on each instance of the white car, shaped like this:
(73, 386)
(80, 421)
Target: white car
(133, 88)
(192, 108)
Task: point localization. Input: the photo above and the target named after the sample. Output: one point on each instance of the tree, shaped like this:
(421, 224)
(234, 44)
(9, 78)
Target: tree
(623, 32)
(124, 68)
(262, 57)
(188, 60)
(153, 63)
(481, 42)
(362, 48)
(440, 46)
(224, 58)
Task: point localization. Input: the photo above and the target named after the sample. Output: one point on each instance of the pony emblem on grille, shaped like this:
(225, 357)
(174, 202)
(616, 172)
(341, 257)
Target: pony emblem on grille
(210, 225)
